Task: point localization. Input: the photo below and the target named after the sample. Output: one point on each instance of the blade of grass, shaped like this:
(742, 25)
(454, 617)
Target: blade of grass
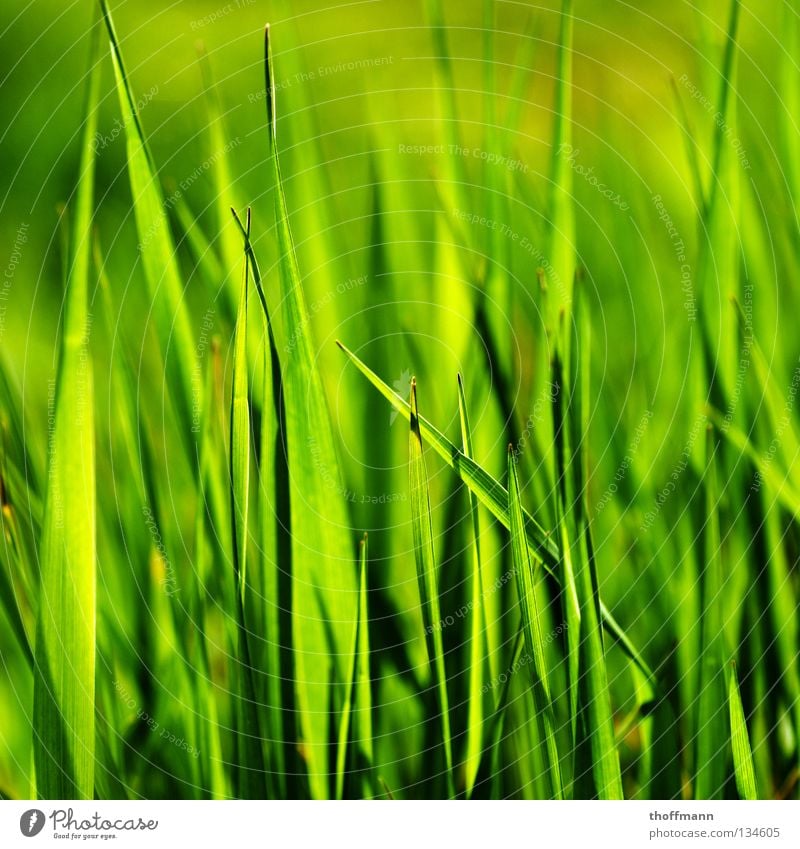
(526, 589)
(159, 257)
(64, 674)
(561, 218)
(597, 697)
(324, 583)
(249, 741)
(711, 725)
(355, 722)
(479, 670)
(427, 580)
(363, 734)
(740, 741)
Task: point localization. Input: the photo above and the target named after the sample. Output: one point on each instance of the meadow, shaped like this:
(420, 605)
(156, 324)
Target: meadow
(400, 400)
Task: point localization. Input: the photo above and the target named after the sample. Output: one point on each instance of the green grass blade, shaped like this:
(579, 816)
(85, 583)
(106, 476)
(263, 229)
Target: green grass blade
(64, 675)
(427, 579)
(494, 496)
(740, 741)
(597, 698)
(561, 218)
(569, 541)
(325, 593)
(249, 742)
(355, 722)
(712, 724)
(479, 671)
(157, 251)
(529, 605)
(362, 718)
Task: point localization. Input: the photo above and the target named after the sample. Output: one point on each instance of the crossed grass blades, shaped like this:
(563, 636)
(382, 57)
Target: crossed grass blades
(261, 662)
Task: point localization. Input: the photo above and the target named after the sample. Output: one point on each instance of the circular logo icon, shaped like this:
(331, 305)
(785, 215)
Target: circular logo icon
(31, 822)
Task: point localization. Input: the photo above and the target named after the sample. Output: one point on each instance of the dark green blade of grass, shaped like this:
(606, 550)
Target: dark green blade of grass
(270, 563)
(597, 697)
(569, 542)
(64, 674)
(324, 582)
(740, 741)
(494, 496)
(276, 540)
(250, 757)
(534, 646)
(479, 669)
(712, 729)
(427, 581)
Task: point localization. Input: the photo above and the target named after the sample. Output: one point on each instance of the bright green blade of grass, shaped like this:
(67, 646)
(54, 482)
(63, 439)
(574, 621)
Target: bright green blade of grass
(561, 217)
(157, 251)
(712, 730)
(324, 583)
(362, 719)
(740, 741)
(355, 722)
(64, 679)
(479, 671)
(494, 496)
(529, 605)
(427, 580)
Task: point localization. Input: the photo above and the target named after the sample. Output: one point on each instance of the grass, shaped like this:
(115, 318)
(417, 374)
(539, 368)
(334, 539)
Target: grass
(543, 607)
